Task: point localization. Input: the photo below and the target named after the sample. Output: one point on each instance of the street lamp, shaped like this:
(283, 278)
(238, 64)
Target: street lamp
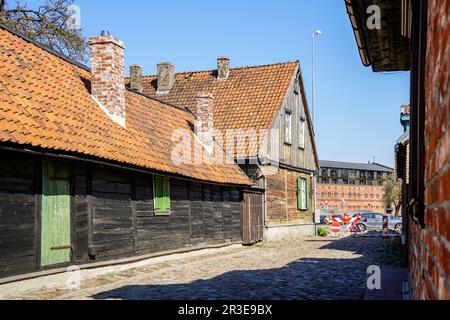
(314, 35)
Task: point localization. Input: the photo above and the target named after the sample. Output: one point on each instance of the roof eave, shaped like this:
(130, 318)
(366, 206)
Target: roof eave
(359, 38)
(369, 56)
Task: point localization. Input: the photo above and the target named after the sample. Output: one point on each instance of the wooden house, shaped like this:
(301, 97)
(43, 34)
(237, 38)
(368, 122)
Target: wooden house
(86, 166)
(282, 159)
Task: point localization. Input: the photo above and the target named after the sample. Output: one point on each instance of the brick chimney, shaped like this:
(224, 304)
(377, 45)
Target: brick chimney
(204, 112)
(223, 68)
(107, 68)
(166, 77)
(136, 78)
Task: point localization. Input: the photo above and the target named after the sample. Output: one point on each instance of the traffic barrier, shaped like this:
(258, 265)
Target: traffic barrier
(353, 221)
(347, 220)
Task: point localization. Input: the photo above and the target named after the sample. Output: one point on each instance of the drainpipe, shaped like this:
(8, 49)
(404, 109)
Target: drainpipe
(265, 203)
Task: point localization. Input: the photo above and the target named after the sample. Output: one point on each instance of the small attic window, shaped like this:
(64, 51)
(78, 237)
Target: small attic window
(296, 87)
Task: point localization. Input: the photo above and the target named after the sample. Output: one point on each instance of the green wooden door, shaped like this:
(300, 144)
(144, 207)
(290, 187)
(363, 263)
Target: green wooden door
(55, 213)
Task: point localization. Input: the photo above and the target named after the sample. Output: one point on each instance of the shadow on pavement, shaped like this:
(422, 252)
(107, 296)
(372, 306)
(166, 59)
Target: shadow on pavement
(306, 278)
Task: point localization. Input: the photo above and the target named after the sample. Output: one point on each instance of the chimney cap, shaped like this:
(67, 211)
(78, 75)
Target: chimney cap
(165, 63)
(203, 94)
(223, 58)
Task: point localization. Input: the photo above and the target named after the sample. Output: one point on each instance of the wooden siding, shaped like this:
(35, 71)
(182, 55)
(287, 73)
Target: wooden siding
(112, 214)
(275, 145)
(18, 234)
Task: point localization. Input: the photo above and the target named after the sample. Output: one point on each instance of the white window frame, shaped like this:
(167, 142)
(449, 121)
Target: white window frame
(301, 133)
(288, 127)
(303, 191)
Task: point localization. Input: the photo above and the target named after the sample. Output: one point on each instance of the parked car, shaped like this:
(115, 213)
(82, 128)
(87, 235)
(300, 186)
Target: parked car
(373, 221)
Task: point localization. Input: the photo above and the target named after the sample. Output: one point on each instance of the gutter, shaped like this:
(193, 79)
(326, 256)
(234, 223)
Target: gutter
(360, 41)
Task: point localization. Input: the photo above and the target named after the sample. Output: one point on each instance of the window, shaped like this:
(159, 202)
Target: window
(161, 195)
(288, 127)
(303, 197)
(301, 133)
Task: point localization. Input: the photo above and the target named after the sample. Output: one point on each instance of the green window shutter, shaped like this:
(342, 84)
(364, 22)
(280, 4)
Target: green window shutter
(307, 193)
(299, 193)
(162, 194)
(166, 194)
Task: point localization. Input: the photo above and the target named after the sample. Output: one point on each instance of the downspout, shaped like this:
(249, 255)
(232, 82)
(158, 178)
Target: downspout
(264, 197)
(265, 203)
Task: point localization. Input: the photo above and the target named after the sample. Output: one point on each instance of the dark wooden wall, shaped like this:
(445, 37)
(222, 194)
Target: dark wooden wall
(112, 214)
(17, 215)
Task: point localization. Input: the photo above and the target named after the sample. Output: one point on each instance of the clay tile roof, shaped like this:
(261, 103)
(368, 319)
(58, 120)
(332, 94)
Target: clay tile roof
(248, 99)
(45, 102)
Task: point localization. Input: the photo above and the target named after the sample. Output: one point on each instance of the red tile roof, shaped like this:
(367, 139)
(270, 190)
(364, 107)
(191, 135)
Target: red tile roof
(45, 102)
(248, 99)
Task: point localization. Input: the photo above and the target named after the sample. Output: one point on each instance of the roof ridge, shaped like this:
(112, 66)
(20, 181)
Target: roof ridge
(78, 64)
(45, 48)
(235, 68)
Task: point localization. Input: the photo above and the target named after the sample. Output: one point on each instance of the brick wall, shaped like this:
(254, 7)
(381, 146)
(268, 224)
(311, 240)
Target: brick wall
(282, 199)
(430, 246)
(355, 197)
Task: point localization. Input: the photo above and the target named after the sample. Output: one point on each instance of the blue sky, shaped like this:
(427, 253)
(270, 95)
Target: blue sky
(357, 111)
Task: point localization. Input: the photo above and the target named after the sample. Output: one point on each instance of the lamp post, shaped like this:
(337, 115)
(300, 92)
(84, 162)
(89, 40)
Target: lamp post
(315, 33)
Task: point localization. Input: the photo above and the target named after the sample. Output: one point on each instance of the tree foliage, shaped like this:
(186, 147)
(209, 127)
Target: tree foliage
(46, 24)
(393, 193)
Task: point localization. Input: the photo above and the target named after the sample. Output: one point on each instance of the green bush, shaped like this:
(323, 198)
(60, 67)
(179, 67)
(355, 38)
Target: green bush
(322, 232)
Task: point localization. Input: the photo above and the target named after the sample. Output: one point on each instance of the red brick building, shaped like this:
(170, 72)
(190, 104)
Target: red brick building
(415, 36)
(351, 186)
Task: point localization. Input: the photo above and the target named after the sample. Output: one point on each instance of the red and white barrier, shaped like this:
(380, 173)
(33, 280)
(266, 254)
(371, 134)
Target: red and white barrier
(348, 220)
(332, 219)
(352, 222)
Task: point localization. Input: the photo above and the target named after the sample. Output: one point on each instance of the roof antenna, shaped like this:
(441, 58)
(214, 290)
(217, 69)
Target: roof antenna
(373, 159)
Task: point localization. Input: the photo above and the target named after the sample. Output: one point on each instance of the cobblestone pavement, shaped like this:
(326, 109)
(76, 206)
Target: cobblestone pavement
(311, 268)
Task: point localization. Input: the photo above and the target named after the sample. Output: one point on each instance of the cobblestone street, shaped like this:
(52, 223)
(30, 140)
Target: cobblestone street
(313, 268)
